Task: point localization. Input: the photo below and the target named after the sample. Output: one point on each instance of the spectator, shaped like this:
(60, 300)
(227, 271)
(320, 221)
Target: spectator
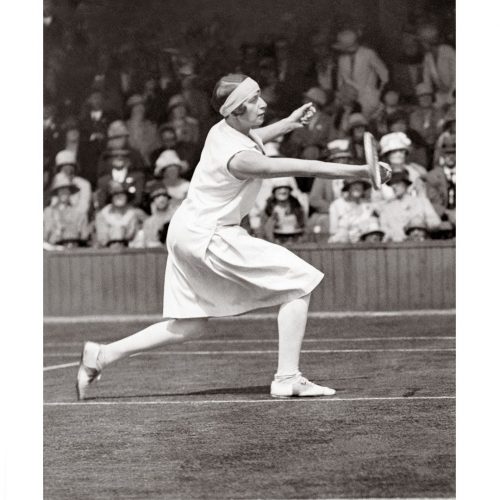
(394, 149)
(121, 172)
(66, 167)
(361, 68)
(196, 99)
(187, 152)
(154, 99)
(408, 69)
(395, 214)
(319, 130)
(118, 140)
(349, 214)
(325, 191)
(441, 180)
(283, 219)
(161, 214)
(387, 108)
(356, 127)
(168, 170)
(371, 231)
(323, 70)
(426, 117)
(439, 64)
(417, 230)
(186, 127)
(118, 222)
(400, 122)
(142, 132)
(63, 224)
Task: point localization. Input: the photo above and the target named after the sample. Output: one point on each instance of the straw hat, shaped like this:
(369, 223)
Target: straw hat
(158, 190)
(169, 158)
(60, 182)
(356, 120)
(399, 177)
(349, 182)
(65, 157)
(371, 227)
(135, 100)
(282, 182)
(393, 141)
(116, 129)
(339, 148)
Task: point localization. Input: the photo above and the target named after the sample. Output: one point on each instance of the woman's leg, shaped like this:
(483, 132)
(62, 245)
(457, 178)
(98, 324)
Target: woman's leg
(172, 331)
(288, 381)
(292, 319)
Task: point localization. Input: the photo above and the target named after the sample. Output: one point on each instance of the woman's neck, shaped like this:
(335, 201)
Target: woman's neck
(234, 123)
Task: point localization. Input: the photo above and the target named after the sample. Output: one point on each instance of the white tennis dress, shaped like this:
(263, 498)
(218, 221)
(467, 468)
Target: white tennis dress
(214, 267)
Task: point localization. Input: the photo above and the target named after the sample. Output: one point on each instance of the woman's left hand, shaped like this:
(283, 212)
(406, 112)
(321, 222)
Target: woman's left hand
(302, 116)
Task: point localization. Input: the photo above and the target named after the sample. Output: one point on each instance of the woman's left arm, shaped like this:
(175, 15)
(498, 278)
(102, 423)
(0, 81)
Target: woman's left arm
(297, 119)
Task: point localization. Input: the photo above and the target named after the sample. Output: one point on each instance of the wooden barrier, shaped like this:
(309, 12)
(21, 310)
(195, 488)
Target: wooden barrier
(365, 277)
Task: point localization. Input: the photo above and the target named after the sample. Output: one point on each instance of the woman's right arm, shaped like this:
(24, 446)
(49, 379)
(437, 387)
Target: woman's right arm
(250, 165)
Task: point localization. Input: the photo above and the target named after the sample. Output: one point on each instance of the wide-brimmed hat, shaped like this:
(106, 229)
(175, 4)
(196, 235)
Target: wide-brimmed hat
(317, 95)
(356, 120)
(423, 89)
(416, 222)
(394, 141)
(169, 158)
(158, 190)
(282, 182)
(65, 157)
(61, 181)
(116, 129)
(115, 187)
(339, 148)
(176, 100)
(135, 100)
(347, 41)
(371, 227)
(399, 177)
(349, 182)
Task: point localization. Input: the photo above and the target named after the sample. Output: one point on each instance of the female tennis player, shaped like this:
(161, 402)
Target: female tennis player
(214, 267)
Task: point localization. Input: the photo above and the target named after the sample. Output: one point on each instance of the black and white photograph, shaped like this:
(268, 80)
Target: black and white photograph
(248, 275)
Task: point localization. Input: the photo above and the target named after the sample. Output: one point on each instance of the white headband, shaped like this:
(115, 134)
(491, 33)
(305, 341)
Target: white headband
(238, 96)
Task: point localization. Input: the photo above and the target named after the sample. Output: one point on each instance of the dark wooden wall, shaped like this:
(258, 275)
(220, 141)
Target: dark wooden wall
(388, 277)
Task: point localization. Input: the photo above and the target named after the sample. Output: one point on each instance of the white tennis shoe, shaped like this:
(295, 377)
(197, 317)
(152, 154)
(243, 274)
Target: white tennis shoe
(298, 386)
(88, 371)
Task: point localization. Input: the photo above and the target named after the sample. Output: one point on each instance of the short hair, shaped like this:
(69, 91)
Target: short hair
(223, 88)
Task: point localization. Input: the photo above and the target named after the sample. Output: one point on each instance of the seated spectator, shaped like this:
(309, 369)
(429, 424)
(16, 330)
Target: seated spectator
(186, 127)
(283, 219)
(168, 140)
(441, 180)
(168, 170)
(154, 99)
(94, 120)
(395, 149)
(325, 191)
(118, 222)
(371, 231)
(120, 171)
(161, 214)
(357, 125)
(118, 135)
(349, 214)
(319, 130)
(142, 132)
(323, 69)
(63, 224)
(425, 119)
(66, 166)
(439, 63)
(400, 122)
(417, 230)
(361, 68)
(395, 214)
(389, 105)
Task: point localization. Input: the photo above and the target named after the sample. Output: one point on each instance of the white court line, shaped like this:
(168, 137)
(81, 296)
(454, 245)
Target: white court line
(245, 401)
(274, 351)
(275, 341)
(250, 316)
(56, 367)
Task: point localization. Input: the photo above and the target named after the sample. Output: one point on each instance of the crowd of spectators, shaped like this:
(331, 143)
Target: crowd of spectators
(119, 152)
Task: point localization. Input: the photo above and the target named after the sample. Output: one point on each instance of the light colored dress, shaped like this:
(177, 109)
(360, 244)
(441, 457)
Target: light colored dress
(214, 267)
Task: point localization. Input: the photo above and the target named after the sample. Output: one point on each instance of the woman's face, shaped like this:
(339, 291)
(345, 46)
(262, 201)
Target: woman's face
(138, 110)
(356, 190)
(168, 139)
(63, 194)
(255, 111)
(119, 200)
(72, 135)
(68, 170)
(399, 189)
(179, 112)
(171, 173)
(397, 157)
(399, 126)
(161, 202)
(450, 159)
(282, 193)
(391, 98)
